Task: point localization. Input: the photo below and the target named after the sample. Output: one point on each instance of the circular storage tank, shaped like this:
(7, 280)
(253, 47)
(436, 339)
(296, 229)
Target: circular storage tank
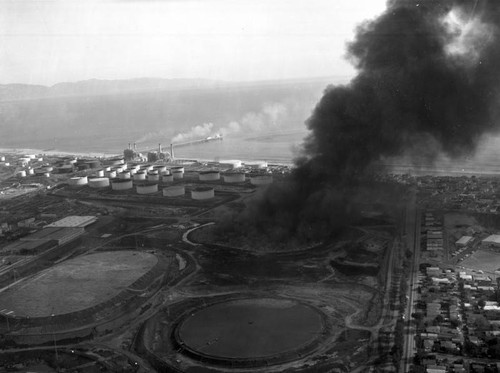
(174, 191)
(232, 163)
(99, 182)
(202, 193)
(153, 177)
(107, 169)
(99, 173)
(167, 178)
(261, 180)
(78, 181)
(140, 175)
(177, 168)
(234, 178)
(209, 175)
(147, 188)
(132, 171)
(40, 171)
(160, 169)
(177, 174)
(2, 158)
(124, 175)
(147, 167)
(121, 184)
(31, 171)
(118, 169)
(110, 174)
(115, 161)
(92, 164)
(21, 174)
(47, 174)
(124, 166)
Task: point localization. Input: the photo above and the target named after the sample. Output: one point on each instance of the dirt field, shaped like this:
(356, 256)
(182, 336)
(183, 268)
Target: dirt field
(77, 284)
(484, 260)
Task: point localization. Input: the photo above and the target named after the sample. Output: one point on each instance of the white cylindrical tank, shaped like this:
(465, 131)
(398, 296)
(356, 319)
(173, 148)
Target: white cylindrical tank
(160, 169)
(99, 173)
(147, 188)
(49, 168)
(140, 175)
(124, 175)
(111, 174)
(118, 169)
(47, 174)
(256, 164)
(121, 184)
(167, 178)
(124, 166)
(2, 158)
(147, 167)
(132, 171)
(234, 178)
(107, 169)
(177, 168)
(230, 163)
(21, 173)
(99, 182)
(30, 156)
(202, 193)
(153, 177)
(209, 175)
(261, 180)
(78, 181)
(177, 174)
(174, 191)
(31, 171)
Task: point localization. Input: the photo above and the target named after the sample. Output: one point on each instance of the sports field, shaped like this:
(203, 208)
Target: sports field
(77, 284)
(484, 260)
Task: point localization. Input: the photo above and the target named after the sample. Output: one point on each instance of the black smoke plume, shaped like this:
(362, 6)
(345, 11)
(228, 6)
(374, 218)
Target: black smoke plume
(428, 82)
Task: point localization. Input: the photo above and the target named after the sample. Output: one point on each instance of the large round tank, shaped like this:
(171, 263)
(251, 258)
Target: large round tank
(160, 168)
(167, 178)
(177, 168)
(153, 177)
(31, 171)
(230, 163)
(174, 191)
(202, 193)
(99, 173)
(124, 166)
(147, 188)
(140, 175)
(21, 173)
(2, 158)
(114, 161)
(78, 181)
(118, 169)
(124, 175)
(107, 169)
(121, 184)
(209, 175)
(177, 174)
(147, 167)
(47, 174)
(132, 171)
(111, 174)
(234, 178)
(99, 182)
(261, 180)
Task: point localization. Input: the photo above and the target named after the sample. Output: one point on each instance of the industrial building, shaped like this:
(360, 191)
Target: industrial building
(74, 221)
(61, 235)
(464, 241)
(493, 240)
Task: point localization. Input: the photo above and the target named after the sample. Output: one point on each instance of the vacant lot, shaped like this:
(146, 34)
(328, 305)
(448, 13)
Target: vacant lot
(485, 260)
(77, 284)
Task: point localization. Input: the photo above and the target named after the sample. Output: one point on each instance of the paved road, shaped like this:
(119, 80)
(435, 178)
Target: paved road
(413, 237)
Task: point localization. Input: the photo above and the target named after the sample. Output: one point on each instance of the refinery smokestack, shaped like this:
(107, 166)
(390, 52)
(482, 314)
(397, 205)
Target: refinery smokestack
(159, 148)
(135, 147)
(172, 151)
(129, 146)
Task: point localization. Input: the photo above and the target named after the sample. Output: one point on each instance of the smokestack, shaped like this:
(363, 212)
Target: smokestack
(135, 147)
(172, 151)
(159, 148)
(129, 146)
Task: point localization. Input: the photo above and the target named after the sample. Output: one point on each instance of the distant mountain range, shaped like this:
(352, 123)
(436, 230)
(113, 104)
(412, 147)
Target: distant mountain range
(108, 113)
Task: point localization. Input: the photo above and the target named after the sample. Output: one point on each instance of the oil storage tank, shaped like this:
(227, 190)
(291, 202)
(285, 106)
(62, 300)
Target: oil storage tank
(167, 178)
(147, 188)
(177, 174)
(230, 163)
(202, 193)
(111, 174)
(261, 180)
(121, 184)
(99, 182)
(78, 181)
(177, 168)
(125, 175)
(174, 191)
(140, 175)
(209, 175)
(234, 177)
(153, 176)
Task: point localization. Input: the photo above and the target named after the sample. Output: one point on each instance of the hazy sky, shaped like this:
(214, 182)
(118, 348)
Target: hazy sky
(51, 41)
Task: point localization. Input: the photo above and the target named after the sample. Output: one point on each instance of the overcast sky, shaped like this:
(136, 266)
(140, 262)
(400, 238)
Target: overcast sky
(51, 41)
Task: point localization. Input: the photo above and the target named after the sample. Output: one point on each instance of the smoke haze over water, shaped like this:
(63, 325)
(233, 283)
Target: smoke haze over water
(428, 83)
